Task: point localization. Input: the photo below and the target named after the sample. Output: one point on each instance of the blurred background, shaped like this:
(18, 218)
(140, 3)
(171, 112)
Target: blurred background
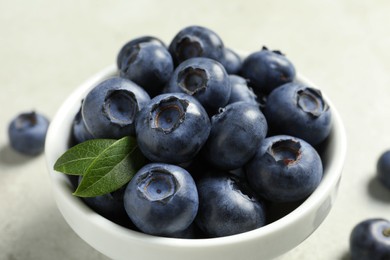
(48, 48)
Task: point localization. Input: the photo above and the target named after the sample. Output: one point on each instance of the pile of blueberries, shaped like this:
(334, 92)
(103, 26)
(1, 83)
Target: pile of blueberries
(226, 137)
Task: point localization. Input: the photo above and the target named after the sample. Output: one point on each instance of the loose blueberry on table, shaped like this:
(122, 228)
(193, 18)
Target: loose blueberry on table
(27, 133)
(383, 169)
(370, 240)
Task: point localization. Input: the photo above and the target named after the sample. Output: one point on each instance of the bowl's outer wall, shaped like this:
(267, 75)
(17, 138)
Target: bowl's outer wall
(120, 243)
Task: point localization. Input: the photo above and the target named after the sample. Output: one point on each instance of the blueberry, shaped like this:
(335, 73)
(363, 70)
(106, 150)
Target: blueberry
(27, 133)
(266, 70)
(227, 206)
(127, 48)
(284, 169)
(195, 41)
(383, 169)
(161, 199)
(80, 132)
(236, 132)
(110, 108)
(370, 240)
(299, 110)
(231, 61)
(110, 205)
(149, 65)
(172, 128)
(203, 78)
(240, 91)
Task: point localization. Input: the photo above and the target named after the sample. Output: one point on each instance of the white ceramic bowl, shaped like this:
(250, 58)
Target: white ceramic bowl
(118, 242)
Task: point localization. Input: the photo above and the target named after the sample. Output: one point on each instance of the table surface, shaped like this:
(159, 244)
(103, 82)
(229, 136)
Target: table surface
(48, 48)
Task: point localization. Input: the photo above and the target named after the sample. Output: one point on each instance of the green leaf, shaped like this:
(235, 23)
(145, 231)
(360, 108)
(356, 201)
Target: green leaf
(111, 169)
(77, 159)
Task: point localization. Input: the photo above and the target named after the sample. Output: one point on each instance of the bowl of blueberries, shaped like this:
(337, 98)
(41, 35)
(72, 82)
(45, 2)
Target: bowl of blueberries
(191, 150)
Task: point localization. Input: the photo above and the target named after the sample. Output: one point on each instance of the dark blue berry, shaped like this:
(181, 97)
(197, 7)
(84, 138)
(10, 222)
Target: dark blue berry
(284, 169)
(299, 110)
(227, 206)
(80, 132)
(127, 48)
(195, 41)
(110, 108)
(203, 78)
(172, 128)
(231, 61)
(383, 169)
(27, 133)
(370, 240)
(240, 91)
(267, 70)
(162, 199)
(149, 65)
(109, 205)
(236, 132)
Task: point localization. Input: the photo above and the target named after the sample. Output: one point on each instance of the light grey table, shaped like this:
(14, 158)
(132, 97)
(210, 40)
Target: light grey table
(48, 48)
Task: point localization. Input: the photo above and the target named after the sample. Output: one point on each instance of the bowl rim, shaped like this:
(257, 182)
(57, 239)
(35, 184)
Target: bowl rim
(62, 184)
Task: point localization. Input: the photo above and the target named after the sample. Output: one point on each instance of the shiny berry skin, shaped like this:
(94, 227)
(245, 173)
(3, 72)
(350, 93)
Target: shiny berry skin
(110, 108)
(203, 78)
(149, 65)
(172, 128)
(284, 169)
(236, 132)
(267, 70)
(299, 110)
(80, 132)
(109, 205)
(241, 91)
(127, 48)
(195, 41)
(161, 199)
(227, 206)
(27, 133)
(370, 240)
(383, 169)
(231, 61)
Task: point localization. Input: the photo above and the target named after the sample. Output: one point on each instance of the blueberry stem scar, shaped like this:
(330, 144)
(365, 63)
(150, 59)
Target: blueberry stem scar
(386, 232)
(311, 102)
(286, 151)
(158, 186)
(168, 114)
(188, 48)
(30, 118)
(193, 80)
(120, 107)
